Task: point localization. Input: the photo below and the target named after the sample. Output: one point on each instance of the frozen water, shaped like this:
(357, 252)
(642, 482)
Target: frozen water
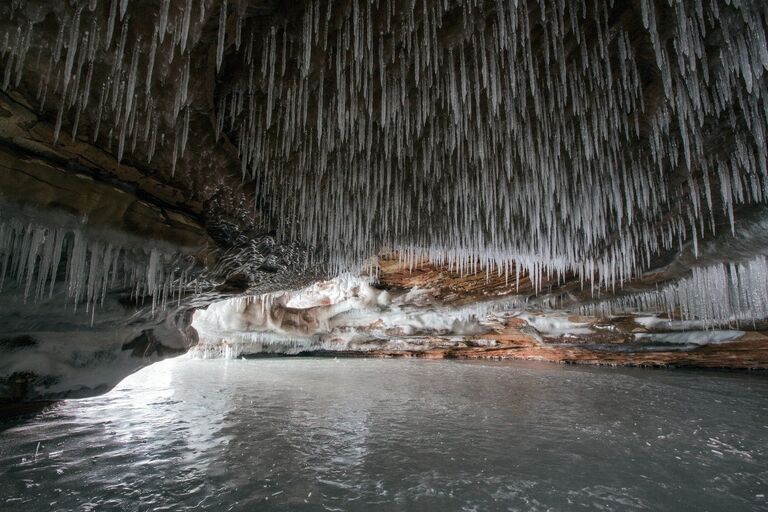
(396, 435)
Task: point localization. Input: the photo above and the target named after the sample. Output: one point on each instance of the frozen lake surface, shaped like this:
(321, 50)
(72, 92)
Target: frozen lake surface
(352, 434)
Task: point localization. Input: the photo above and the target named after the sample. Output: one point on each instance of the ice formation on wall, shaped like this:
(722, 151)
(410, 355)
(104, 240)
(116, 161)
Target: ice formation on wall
(345, 313)
(556, 136)
(348, 315)
(34, 258)
(718, 294)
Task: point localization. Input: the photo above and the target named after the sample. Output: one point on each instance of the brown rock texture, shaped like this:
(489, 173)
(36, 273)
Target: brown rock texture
(748, 353)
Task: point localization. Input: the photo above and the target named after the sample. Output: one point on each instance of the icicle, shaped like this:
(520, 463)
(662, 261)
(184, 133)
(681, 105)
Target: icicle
(222, 35)
(185, 26)
(31, 254)
(151, 64)
(110, 24)
(529, 140)
(162, 25)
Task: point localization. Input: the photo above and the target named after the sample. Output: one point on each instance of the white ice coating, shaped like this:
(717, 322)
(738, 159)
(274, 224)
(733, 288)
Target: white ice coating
(552, 325)
(65, 354)
(340, 314)
(691, 337)
(523, 141)
(347, 314)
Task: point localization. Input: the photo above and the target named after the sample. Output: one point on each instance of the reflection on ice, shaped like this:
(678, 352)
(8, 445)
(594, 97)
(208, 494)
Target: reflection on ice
(348, 434)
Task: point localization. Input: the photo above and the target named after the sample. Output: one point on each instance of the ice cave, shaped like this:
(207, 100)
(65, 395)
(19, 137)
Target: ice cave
(426, 255)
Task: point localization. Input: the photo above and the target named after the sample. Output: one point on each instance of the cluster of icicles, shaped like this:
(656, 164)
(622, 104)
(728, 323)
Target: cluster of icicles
(548, 137)
(525, 140)
(32, 258)
(104, 38)
(734, 293)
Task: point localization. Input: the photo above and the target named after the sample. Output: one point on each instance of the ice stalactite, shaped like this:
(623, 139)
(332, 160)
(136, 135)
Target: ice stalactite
(102, 55)
(551, 138)
(727, 293)
(222, 35)
(41, 261)
(525, 141)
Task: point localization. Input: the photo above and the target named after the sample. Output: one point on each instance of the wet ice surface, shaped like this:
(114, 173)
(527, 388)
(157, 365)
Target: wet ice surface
(324, 434)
